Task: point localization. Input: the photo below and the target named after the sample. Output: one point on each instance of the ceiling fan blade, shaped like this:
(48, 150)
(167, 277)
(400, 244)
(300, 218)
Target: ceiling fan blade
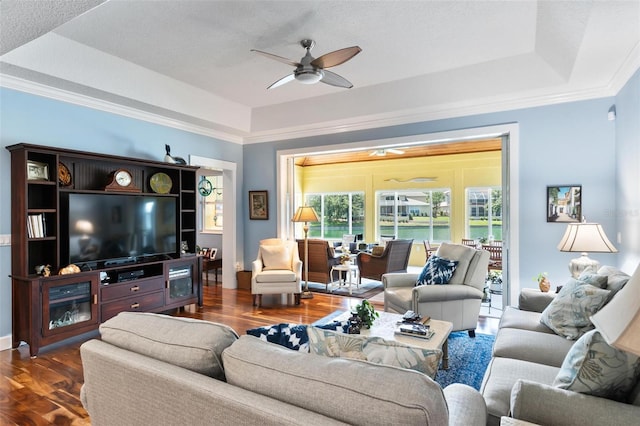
(283, 80)
(334, 79)
(277, 58)
(336, 57)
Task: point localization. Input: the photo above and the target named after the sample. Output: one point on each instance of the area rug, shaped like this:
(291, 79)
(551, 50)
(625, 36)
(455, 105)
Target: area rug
(468, 359)
(367, 289)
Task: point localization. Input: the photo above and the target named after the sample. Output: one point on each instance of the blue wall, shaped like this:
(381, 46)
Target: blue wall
(571, 143)
(627, 211)
(42, 121)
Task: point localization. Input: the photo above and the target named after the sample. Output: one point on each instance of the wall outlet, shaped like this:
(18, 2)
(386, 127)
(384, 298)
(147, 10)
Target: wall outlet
(5, 240)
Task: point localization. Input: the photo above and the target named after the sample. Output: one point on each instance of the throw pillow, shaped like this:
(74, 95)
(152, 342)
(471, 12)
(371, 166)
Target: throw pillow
(292, 336)
(595, 368)
(594, 279)
(568, 313)
(275, 257)
(437, 270)
(333, 344)
(387, 352)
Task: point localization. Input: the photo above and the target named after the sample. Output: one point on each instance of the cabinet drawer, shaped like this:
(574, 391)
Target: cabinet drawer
(130, 288)
(141, 303)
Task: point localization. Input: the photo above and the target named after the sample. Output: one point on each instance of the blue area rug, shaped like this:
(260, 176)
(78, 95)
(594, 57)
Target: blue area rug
(468, 359)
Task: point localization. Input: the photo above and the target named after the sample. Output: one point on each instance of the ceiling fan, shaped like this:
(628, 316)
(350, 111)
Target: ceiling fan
(384, 152)
(311, 70)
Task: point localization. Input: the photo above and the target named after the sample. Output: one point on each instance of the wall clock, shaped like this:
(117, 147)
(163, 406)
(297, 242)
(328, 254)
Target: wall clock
(121, 180)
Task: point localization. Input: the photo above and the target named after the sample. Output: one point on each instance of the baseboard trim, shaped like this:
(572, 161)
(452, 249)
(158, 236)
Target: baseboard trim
(5, 342)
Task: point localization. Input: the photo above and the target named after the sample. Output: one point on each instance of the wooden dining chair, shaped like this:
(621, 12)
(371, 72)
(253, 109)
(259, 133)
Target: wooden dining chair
(428, 249)
(495, 256)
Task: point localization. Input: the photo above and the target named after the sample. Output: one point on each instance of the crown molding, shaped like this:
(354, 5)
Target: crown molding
(22, 85)
(454, 110)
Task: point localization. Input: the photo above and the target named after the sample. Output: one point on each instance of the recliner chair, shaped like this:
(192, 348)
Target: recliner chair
(457, 302)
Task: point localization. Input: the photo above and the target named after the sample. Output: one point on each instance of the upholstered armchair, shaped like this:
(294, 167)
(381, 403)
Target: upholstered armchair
(457, 302)
(277, 269)
(321, 259)
(394, 258)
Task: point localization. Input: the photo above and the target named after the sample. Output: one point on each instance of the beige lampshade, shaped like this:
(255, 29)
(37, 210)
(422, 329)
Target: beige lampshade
(619, 320)
(583, 238)
(305, 214)
(586, 237)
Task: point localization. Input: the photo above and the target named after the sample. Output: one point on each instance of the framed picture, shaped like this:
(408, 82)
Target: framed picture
(564, 203)
(212, 253)
(258, 205)
(37, 170)
(204, 252)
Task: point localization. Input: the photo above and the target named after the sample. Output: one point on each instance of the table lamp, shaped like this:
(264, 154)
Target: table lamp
(619, 320)
(306, 214)
(583, 238)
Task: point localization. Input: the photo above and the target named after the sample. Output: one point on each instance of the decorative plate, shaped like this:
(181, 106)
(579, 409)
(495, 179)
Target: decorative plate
(161, 183)
(204, 187)
(64, 175)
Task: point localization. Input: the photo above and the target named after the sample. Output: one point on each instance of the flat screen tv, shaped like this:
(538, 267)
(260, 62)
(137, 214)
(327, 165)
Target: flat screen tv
(109, 229)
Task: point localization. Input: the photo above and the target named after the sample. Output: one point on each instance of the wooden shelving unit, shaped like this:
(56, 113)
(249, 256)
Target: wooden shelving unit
(101, 290)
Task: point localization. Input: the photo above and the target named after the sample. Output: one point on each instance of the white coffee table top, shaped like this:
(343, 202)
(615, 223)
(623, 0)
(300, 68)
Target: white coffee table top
(385, 327)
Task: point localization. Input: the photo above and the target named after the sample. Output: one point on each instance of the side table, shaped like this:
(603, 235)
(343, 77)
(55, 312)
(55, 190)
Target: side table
(209, 264)
(349, 270)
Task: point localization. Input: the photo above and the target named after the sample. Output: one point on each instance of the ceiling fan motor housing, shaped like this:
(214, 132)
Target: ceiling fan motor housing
(308, 75)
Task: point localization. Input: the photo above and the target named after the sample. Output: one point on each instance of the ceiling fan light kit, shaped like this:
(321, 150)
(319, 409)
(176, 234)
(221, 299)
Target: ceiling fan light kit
(311, 70)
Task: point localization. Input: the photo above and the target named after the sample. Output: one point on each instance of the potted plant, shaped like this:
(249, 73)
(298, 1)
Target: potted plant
(543, 282)
(367, 313)
(495, 280)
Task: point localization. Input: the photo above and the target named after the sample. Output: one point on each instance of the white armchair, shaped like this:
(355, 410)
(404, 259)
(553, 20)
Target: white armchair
(457, 302)
(276, 270)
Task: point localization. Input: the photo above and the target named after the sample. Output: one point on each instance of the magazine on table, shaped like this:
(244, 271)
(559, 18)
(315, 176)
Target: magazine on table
(415, 330)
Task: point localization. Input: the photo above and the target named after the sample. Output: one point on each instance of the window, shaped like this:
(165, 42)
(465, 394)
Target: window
(415, 214)
(340, 213)
(484, 213)
(211, 205)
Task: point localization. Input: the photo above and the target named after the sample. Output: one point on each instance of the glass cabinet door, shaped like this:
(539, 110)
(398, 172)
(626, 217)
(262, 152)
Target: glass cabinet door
(181, 283)
(69, 303)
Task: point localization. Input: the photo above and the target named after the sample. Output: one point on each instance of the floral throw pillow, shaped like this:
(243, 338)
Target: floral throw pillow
(437, 270)
(335, 344)
(568, 314)
(387, 352)
(595, 368)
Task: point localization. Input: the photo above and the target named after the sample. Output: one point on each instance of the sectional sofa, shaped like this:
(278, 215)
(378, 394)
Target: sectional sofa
(525, 377)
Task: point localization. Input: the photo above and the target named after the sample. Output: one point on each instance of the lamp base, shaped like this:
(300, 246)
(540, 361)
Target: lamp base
(306, 295)
(578, 265)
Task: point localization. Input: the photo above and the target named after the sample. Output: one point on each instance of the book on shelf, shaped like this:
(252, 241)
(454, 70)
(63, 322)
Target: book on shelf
(36, 226)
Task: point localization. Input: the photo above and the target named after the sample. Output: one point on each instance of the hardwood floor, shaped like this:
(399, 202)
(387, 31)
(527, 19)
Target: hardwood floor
(46, 390)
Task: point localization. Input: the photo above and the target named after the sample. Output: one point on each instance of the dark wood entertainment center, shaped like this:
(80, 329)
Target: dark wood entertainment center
(48, 309)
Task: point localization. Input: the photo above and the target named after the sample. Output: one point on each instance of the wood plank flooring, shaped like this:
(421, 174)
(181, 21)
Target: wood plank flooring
(46, 390)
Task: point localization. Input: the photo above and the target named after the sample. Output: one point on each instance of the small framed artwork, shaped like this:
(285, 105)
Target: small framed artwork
(37, 170)
(204, 251)
(564, 203)
(212, 253)
(258, 205)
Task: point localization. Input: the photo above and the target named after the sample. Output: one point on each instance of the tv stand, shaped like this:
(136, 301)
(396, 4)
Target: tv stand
(50, 309)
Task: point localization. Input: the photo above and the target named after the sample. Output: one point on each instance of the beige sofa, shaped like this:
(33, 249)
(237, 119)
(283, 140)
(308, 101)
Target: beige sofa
(527, 356)
(161, 370)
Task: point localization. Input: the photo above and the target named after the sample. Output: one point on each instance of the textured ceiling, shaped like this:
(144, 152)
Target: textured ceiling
(190, 61)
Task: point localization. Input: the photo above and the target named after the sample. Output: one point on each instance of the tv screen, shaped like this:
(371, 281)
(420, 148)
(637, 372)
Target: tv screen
(108, 227)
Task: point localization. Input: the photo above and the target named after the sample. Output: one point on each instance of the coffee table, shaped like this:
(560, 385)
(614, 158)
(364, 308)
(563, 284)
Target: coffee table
(386, 325)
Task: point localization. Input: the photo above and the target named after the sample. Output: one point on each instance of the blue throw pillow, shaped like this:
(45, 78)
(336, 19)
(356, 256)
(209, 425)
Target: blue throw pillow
(293, 336)
(437, 270)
